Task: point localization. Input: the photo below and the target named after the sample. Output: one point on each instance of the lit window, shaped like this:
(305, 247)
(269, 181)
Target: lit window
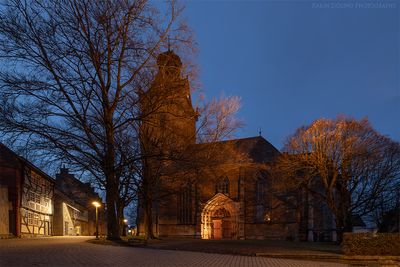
(36, 219)
(30, 218)
(267, 217)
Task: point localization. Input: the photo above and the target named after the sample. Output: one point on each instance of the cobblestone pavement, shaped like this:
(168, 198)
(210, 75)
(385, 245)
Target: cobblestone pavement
(74, 251)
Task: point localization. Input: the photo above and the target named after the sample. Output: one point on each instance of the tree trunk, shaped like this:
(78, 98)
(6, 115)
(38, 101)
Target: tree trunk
(112, 217)
(344, 221)
(344, 224)
(138, 217)
(148, 219)
(339, 229)
(306, 219)
(147, 201)
(121, 217)
(112, 185)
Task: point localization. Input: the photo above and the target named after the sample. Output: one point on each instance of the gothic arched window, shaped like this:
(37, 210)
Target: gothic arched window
(261, 200)
(222, 186)
(185, 205)
(260, 191)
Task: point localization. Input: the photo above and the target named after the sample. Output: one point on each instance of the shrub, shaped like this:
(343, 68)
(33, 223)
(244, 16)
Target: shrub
(371, 244)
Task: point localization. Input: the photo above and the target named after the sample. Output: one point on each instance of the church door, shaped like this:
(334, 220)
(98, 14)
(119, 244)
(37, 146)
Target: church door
(226, 229)
(217, 228)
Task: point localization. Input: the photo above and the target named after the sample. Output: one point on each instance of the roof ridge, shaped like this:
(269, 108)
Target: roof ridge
(26, 161)
(237, 139)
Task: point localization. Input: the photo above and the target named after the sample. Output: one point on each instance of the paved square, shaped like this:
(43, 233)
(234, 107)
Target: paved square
(74, 251)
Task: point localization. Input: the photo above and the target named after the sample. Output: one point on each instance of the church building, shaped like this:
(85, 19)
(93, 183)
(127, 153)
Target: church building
(224, 193)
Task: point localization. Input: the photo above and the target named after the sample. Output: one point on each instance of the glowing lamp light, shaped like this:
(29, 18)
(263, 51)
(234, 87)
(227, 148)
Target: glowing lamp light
(96, 204)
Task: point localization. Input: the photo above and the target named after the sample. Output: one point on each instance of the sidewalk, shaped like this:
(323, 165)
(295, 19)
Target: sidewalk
(317, 251)
(66, 252)
(248, 247)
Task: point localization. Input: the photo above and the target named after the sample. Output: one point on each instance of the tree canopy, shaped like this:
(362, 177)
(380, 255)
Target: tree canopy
(71, 73)
(343, 162)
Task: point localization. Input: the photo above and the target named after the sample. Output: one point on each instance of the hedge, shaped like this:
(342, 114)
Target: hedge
(371, 244)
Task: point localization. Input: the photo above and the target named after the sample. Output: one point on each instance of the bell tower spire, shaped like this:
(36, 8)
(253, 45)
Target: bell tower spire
(171, 116)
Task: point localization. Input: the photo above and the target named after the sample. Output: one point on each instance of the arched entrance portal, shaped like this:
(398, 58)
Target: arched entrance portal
(219, 218)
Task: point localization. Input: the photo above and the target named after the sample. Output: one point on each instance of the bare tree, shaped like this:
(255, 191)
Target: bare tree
(170, 143)
(343, 162)
(70, 76)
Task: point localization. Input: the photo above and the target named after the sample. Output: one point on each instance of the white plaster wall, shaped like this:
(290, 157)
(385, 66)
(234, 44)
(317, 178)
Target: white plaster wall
(67, 218)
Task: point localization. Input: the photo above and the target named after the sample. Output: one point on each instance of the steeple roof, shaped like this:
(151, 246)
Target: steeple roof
(169, 59)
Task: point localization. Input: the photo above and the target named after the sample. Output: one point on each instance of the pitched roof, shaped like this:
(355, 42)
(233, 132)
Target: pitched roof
(257, 148)
(12, 159)
(81, 193)
(8, 158)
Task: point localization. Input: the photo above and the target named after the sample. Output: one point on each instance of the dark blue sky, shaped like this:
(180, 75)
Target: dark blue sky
(295, 61)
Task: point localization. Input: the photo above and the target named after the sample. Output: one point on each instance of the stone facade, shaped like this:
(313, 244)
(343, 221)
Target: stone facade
(229, 201)
(316, 222)
(226, 196)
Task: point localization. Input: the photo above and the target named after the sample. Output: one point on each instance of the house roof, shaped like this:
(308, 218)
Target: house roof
(12, 159)
(73, 187)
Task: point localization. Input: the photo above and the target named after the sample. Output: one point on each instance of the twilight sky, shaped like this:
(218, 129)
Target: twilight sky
(295, 61)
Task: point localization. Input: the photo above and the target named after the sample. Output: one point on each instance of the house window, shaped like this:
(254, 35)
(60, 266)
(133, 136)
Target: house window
(36, 219)
(222, 186)
(185, 205)
(37, 198)
(30, 218)
(31, 196)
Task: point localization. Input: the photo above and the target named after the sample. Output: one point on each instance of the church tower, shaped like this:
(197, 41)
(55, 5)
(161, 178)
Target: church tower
(169, 120)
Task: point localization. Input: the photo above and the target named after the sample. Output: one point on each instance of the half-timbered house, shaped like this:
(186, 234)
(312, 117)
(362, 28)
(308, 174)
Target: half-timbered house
(26, 197)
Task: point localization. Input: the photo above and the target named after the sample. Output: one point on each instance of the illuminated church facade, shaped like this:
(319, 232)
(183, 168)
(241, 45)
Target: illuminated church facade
(227, 198)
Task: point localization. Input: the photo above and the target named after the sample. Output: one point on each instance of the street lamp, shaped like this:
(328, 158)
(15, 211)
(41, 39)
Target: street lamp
(97, 205)
(125, 225)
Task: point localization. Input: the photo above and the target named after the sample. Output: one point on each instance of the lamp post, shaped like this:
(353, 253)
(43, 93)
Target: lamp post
(97, 205)
(125, 224)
